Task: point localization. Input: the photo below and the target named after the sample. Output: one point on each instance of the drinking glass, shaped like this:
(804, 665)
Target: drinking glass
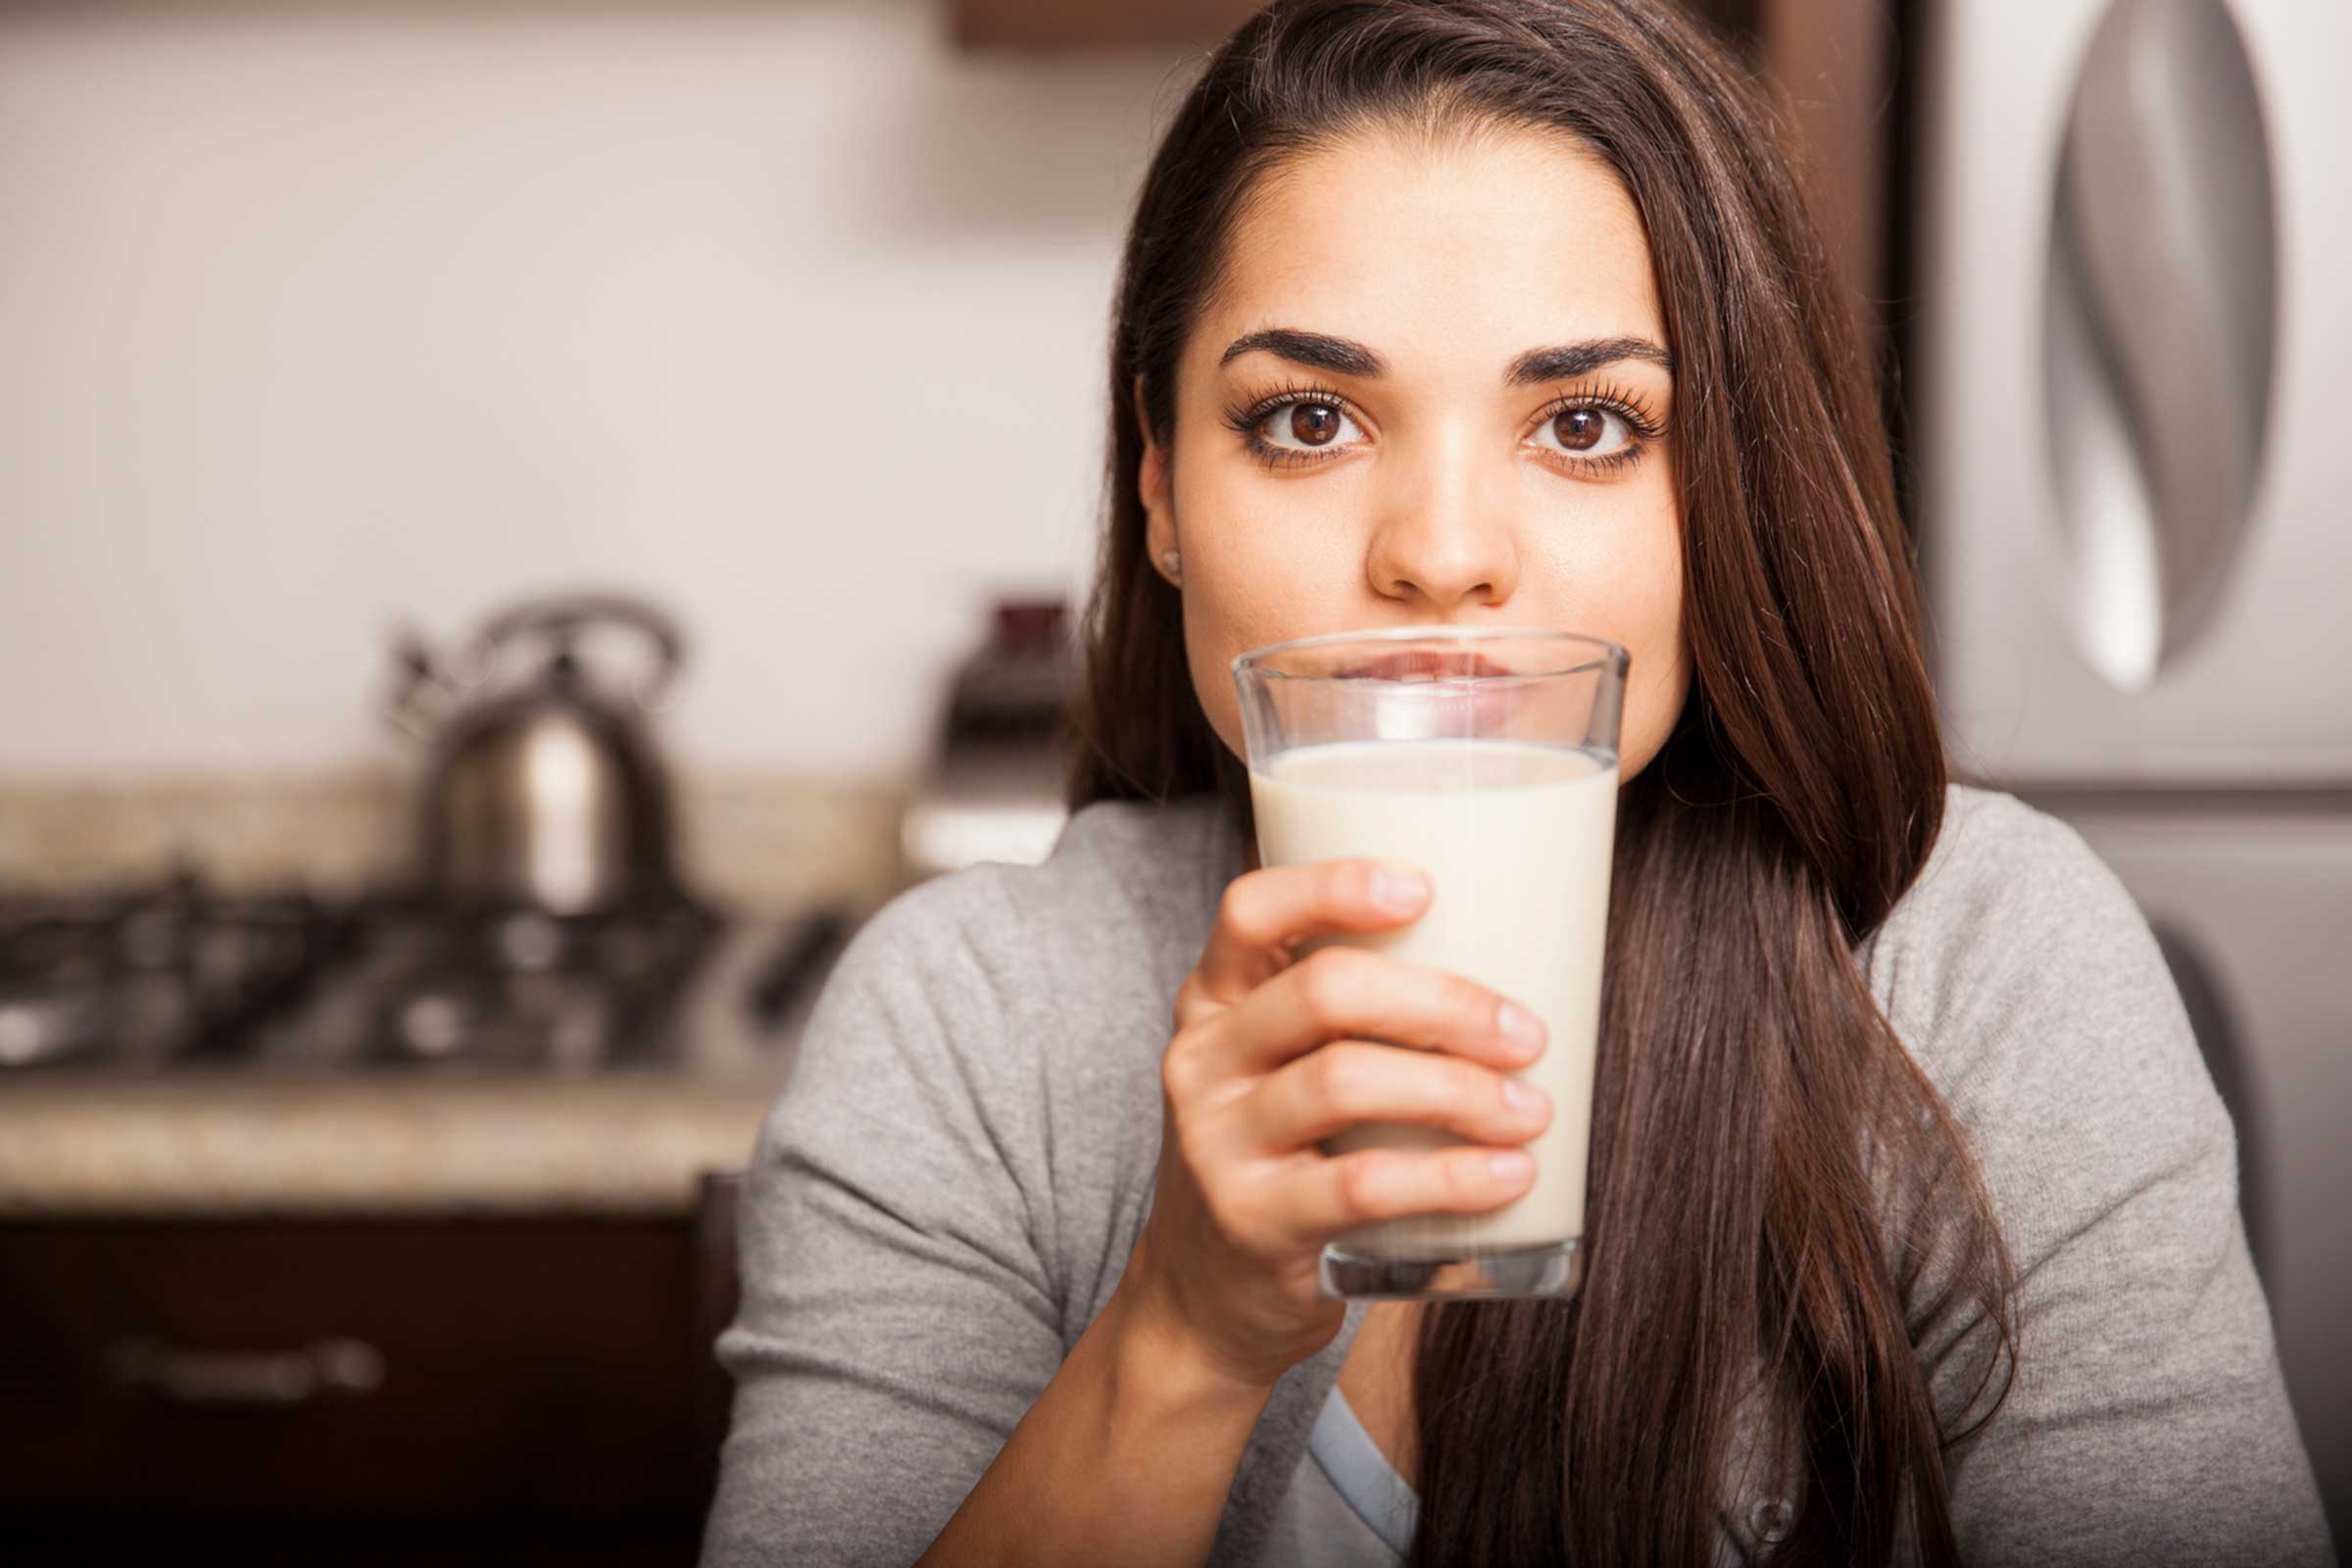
(1488, 758)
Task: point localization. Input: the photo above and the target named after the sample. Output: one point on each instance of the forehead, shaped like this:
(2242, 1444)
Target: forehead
(1473, 249)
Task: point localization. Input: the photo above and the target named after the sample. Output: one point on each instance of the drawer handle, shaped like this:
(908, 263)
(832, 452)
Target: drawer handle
(263, 1379)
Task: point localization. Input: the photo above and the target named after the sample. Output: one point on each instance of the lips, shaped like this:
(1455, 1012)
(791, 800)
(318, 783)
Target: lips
(1426, 663)
(1440, 692)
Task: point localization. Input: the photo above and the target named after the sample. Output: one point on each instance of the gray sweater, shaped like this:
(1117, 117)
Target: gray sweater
(948, 1187)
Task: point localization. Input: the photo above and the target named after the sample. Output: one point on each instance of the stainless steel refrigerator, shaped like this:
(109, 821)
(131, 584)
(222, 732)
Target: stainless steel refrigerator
(2132, 406)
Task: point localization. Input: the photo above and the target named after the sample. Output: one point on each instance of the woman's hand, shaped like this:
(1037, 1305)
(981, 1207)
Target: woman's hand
(1264, 1063)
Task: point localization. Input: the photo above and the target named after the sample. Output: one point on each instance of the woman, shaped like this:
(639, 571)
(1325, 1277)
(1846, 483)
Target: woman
(1913, 1231)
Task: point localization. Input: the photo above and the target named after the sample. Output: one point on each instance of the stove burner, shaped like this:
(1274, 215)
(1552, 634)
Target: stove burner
(177, 973)
(152, 975)
(506, 1022)
(528, 989)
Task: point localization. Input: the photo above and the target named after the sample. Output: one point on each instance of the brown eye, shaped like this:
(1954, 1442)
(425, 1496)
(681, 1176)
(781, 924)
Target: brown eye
(1581, 430)
(1588, 433)
(1314, 423)
(1304, 426)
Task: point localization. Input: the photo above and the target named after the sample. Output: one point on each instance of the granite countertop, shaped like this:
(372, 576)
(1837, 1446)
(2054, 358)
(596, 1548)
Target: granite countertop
(226, 1141)
(226, 1144)
(219, 1142)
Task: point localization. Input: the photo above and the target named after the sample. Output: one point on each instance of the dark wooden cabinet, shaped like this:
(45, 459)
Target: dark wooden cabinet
(1053, 25)
(1061, 24)
(514, 1389)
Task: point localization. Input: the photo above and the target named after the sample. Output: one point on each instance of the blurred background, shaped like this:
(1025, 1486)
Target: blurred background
(521, 524)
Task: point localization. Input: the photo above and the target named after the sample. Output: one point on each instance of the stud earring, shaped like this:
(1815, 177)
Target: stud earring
(1174, 562)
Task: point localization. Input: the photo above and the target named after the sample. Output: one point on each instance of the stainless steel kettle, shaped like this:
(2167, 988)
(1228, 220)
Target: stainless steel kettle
(542, 791)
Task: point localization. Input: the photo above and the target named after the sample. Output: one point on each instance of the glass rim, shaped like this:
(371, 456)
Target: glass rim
(1611, 655)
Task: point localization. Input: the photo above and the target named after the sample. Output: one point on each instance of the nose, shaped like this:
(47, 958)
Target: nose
(1442, 538)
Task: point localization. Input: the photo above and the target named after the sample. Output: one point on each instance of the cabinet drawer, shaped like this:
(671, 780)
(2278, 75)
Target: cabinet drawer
(387, 1370)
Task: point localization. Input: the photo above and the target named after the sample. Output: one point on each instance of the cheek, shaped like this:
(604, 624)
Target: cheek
(1220, 624)
(1655, 689)
(1661, 666)
(1619, 575)
(1660, 677)
(1248, 582)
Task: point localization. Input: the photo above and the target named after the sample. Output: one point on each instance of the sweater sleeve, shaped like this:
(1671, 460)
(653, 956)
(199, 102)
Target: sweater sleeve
(2146, 1421)
(899, 1316)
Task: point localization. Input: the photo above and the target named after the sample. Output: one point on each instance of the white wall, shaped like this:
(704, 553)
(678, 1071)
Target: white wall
(786, 315)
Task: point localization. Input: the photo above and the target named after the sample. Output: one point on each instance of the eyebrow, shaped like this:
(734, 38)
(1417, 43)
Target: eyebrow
(1340, 356)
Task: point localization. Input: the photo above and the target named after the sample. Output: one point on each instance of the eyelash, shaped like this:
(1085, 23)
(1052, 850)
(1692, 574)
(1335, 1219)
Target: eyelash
(1244, 420)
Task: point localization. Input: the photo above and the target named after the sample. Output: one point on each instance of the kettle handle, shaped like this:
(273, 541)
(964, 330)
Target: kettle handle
(562, 619)
(420, 687)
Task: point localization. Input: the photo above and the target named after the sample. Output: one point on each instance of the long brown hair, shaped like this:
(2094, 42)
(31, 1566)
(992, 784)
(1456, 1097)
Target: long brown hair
(1774, 1184)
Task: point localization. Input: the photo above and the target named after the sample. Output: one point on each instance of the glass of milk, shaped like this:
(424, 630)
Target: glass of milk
(1487, 757)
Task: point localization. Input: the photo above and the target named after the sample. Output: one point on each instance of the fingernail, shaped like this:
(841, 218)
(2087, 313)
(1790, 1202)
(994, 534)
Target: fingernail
(1399, 887)
(1525, 1097)
(1520, 1026)
(1511, 1164)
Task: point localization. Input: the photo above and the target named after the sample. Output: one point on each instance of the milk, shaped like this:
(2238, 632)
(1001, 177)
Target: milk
(1516, 840)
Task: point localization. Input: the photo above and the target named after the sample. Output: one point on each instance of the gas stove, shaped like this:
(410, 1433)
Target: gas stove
(177, 976)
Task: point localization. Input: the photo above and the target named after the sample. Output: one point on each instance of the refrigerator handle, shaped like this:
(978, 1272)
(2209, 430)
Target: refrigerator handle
(2161, 308)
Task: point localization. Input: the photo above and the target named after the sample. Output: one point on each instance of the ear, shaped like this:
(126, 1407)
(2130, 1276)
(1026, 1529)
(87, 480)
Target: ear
(1151, 485)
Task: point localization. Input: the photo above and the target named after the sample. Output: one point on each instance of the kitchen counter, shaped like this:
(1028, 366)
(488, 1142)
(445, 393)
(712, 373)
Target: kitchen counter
(227, 1141)
(192, 1143)
(232, 1144)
